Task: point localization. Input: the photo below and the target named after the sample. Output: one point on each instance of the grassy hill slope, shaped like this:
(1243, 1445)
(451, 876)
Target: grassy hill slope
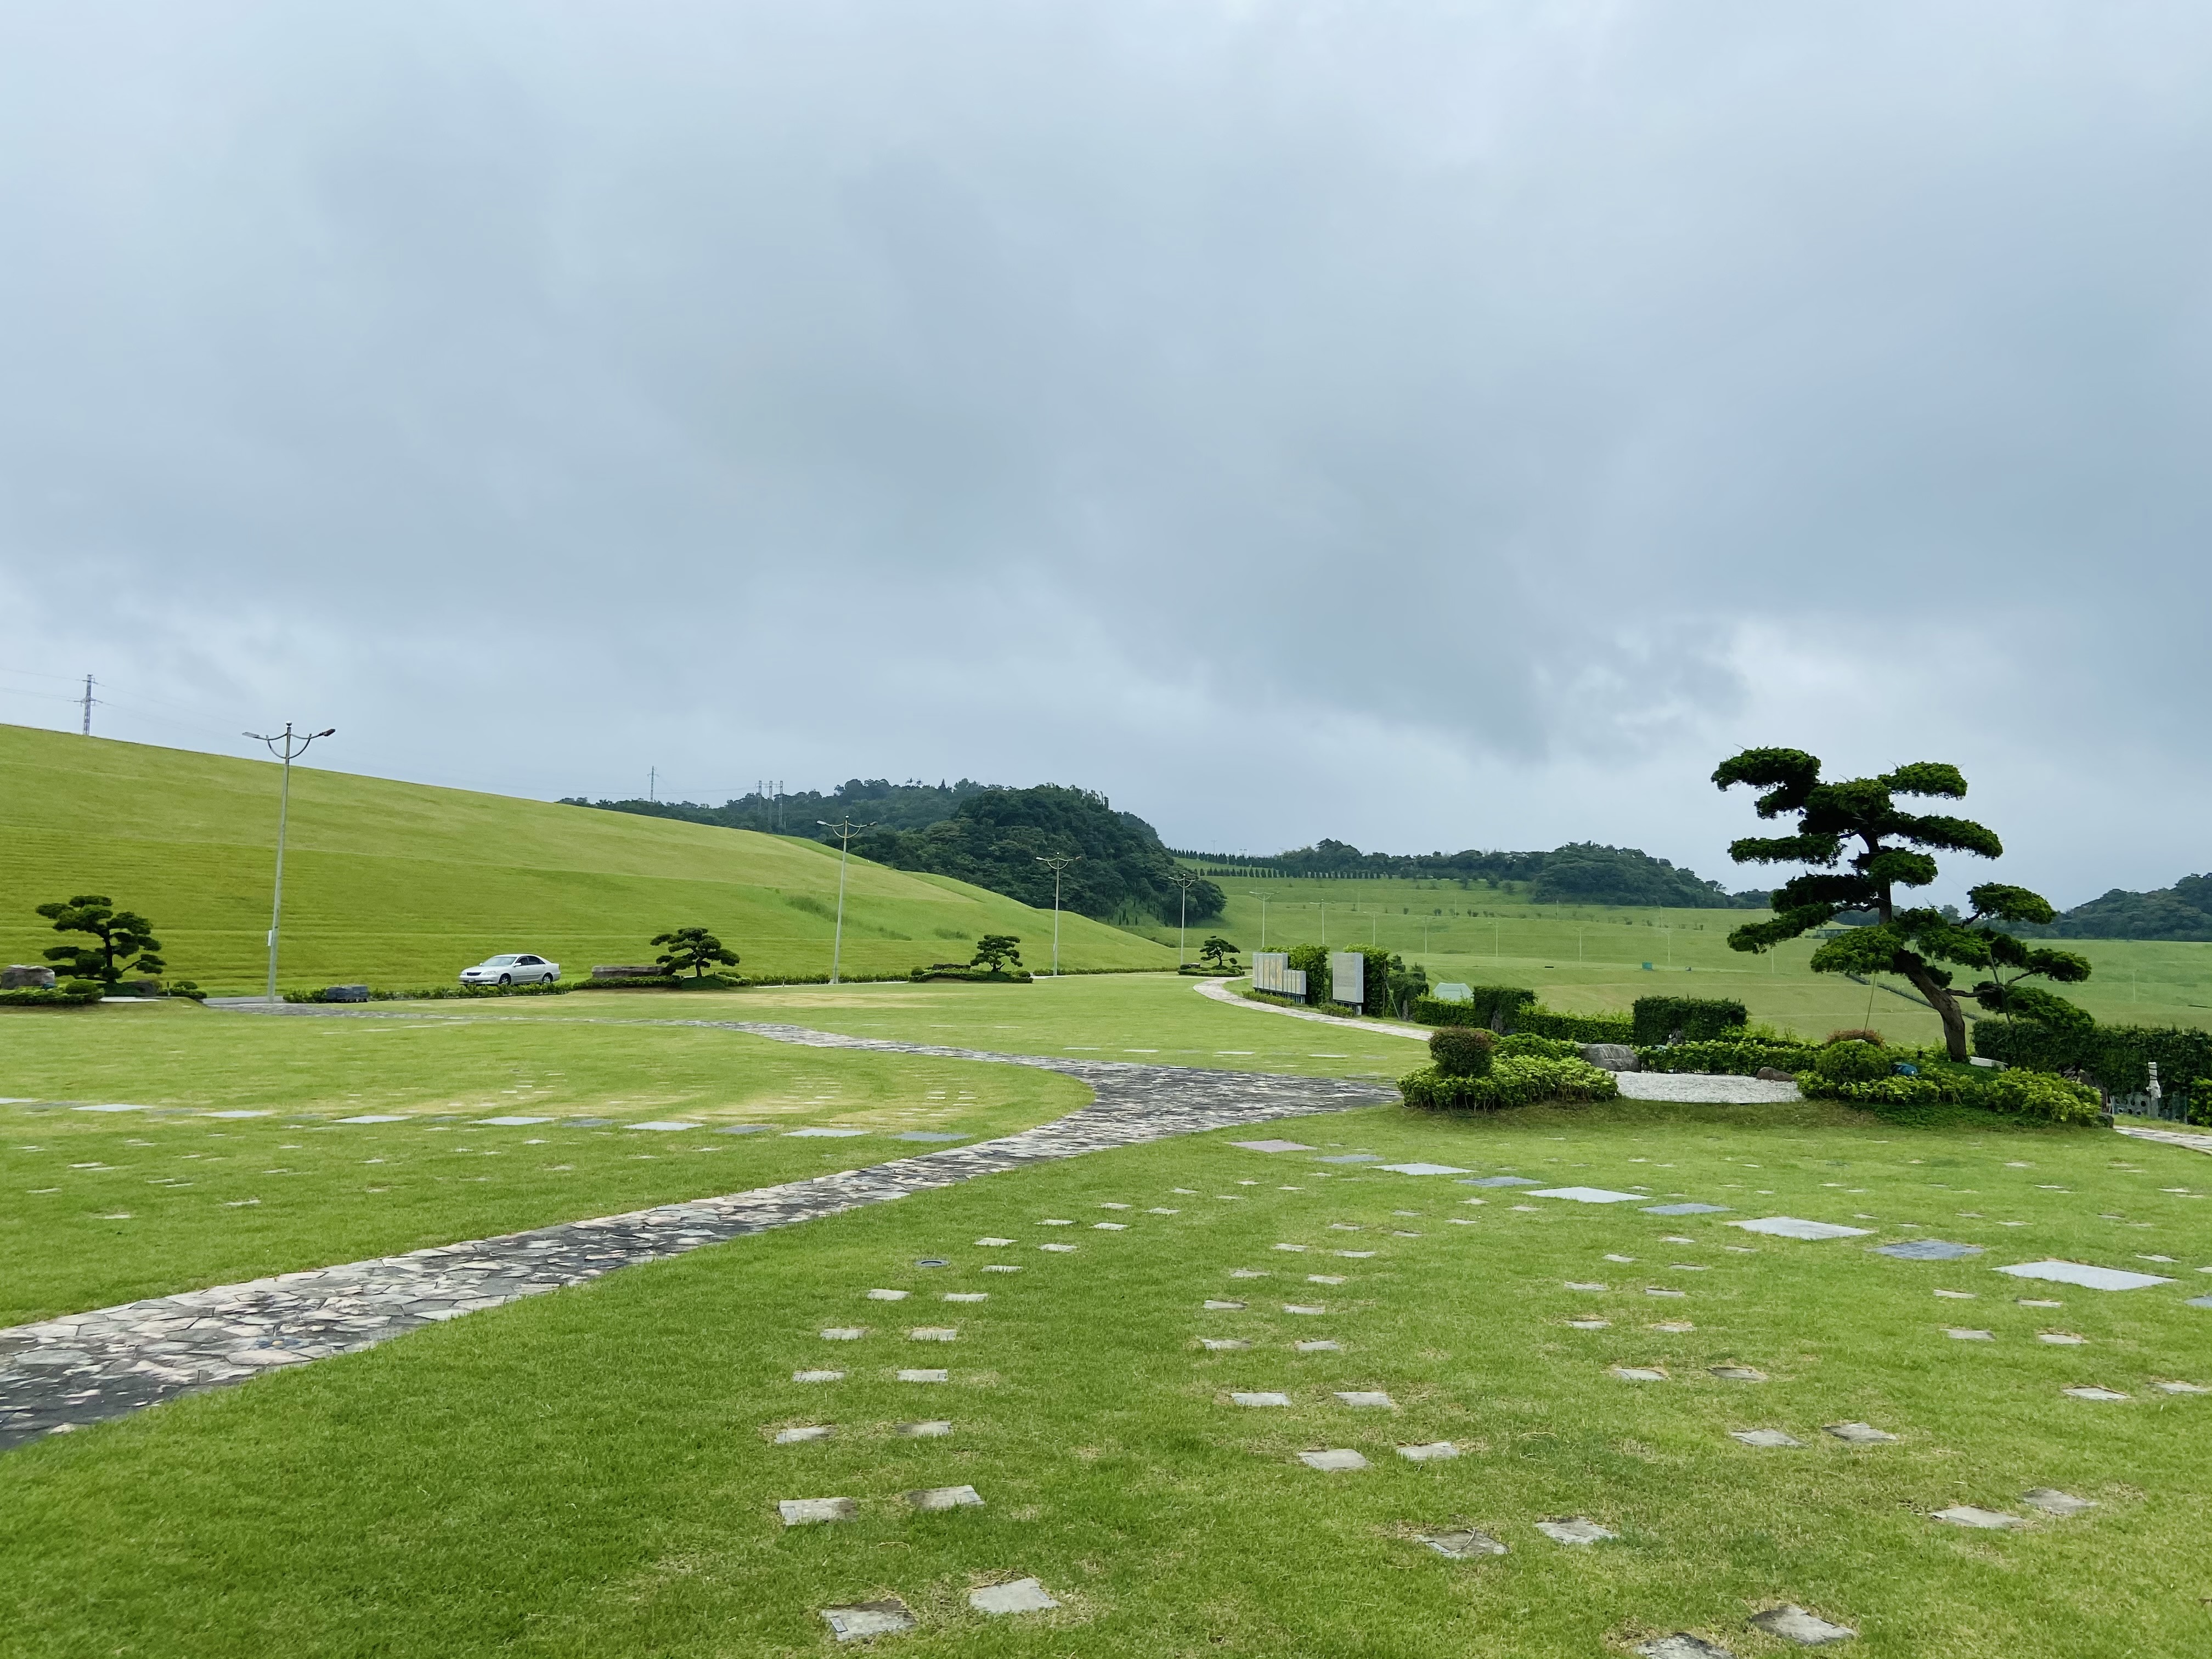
(400, 884)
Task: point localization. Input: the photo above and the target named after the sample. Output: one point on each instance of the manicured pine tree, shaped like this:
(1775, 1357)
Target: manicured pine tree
(1862, 847)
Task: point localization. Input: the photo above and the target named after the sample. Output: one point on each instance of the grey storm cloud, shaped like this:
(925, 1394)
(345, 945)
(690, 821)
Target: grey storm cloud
(1428, 425)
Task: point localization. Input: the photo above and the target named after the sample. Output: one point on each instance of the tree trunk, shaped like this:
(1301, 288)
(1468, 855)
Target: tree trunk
(1947, 1008)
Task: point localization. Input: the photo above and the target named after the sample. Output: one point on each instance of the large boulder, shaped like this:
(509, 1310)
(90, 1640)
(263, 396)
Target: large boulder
(1611, 1056)
(345, 994)
(19, 977)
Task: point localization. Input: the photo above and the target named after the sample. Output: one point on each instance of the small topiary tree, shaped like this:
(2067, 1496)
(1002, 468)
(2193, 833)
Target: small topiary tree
(118, 934)
(694, 950)
(1218, 952)
(1913, 943)
(1461, 1050)
(994, 950)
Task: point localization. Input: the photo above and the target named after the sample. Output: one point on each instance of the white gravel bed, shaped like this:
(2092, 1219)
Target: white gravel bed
(1697, 1086)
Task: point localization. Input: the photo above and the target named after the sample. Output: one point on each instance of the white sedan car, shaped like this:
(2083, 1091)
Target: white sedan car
(512, 970)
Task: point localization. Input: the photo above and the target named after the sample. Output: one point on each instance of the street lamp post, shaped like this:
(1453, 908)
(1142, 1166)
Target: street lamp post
(844, 830)
(1185, 880)
(1263, 918)
(1056, 863)
(288, 746)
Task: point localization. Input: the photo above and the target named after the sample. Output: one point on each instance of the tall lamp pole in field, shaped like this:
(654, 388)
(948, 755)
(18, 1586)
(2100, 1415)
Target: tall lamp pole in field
(1184, 879)
(1263, 918)
(1058, 862)
(844, 830)
(288, 746)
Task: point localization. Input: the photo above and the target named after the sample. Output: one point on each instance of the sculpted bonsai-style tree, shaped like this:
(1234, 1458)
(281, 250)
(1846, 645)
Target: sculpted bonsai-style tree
(994, 950)
(118, 934)
(1218, 952)
(1889, 854)
(694, 949)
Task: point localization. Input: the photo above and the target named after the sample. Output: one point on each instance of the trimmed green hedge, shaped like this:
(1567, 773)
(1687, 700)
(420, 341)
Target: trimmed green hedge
(42, 996)
(1745, 1058)
(2118, 1056)
(1575, 1028)
(1525, 1045)
(2029, 1097)
(439, 993)
(1700, 1020)
(1514, 1080)
(1521, 1014)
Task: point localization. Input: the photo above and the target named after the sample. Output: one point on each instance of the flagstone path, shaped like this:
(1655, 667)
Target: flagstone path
(61, 1373)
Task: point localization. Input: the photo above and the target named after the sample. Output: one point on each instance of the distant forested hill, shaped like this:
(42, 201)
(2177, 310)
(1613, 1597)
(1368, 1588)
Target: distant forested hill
(866, 800)
(994, 837)
(982, 834)
(1581, 872)
(2182, 911)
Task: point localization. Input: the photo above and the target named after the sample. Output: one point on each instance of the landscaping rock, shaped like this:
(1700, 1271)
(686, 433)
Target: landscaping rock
(617, 970)
(331, 992)
(1611, 1056)
(19, 976)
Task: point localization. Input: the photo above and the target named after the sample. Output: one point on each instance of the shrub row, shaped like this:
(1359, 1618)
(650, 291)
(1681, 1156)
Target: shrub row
(438, 993)
(2117, 1056)
(1700, 1020)
(1513, 1080)
(976, 975)
(2029, 1097)
(57, 996)
(1520, 1013)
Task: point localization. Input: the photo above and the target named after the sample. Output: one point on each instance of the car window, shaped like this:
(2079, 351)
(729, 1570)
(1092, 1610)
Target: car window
(499, 961)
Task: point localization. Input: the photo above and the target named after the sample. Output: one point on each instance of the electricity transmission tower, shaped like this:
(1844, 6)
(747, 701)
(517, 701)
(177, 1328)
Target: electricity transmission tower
(288, 746)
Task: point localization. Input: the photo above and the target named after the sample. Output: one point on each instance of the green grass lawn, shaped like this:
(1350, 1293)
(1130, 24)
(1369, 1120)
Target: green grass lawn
(1148, 1018)
(403, 885)
(98, 1208)
(1590, 958)
(592, 1471)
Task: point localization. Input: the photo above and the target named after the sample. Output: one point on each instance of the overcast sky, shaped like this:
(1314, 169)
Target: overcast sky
(1427, 425)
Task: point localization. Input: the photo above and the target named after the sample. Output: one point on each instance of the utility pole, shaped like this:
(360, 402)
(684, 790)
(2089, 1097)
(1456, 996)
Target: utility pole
(1057, 863)
(1185, 880)
(288, 746)
(1263, 918)
(653, 783)
(88, 705)
(844, 830)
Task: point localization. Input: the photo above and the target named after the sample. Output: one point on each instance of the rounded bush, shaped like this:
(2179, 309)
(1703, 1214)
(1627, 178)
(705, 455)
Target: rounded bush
(1853, 1063)
(84, 987)
(2039, 1097)
(1461, 1050)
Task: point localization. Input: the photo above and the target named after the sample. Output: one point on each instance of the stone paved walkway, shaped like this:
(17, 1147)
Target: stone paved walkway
(60, 1373)
(2195, 1143)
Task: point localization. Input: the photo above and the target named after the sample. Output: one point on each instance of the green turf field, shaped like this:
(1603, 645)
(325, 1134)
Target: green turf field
(1150, 1019)
(404, 884)
(592, 1472)
(99, 1207)
(1588, 958)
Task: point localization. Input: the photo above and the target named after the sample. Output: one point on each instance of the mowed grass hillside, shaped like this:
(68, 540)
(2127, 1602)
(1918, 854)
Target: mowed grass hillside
(404, 885)
(1591, 958)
